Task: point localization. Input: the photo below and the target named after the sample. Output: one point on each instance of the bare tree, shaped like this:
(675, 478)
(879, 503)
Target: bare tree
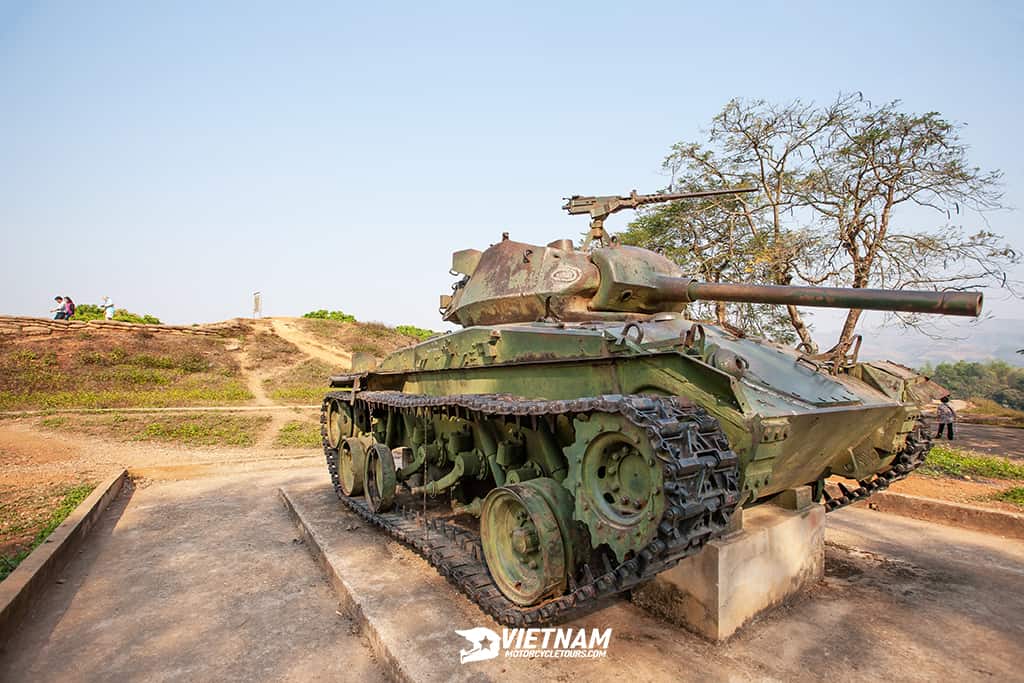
(873, 161)
(838, 186)
(770, 147)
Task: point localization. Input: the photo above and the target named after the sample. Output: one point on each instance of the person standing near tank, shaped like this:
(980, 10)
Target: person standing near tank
(947, 418)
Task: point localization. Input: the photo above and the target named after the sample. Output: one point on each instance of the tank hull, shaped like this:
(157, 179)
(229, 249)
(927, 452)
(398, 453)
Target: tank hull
(789, 422)
(545, 466)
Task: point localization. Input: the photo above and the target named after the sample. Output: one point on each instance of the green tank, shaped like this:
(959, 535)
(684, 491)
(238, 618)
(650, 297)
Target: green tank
(580, 434)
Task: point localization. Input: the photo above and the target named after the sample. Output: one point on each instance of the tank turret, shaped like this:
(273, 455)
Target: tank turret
(514, 282)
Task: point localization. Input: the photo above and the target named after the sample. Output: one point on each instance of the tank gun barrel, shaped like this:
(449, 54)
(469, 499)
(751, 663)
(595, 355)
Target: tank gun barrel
(947, 303)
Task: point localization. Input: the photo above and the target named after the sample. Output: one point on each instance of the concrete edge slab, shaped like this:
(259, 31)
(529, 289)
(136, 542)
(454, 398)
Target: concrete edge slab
(26, 584)
(349, 600)
(998, 522)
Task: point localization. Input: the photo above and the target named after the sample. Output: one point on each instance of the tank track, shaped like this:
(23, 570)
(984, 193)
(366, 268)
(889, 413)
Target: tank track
(701, 475)
(908, 460)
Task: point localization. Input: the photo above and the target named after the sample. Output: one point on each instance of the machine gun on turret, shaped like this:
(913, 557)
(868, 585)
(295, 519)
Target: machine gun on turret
(600, 208)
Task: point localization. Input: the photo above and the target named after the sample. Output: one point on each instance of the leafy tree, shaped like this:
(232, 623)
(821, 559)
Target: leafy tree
(996, 380)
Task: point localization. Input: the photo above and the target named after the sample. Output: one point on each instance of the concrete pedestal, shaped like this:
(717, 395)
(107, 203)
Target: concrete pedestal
(777, 553)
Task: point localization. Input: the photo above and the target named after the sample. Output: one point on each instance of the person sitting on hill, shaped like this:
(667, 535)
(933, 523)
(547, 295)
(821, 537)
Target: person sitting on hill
(59, 311)
(947, 417)
(69, 307)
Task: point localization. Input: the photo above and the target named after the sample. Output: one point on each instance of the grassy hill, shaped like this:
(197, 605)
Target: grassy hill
(117, 368)
(140, 368)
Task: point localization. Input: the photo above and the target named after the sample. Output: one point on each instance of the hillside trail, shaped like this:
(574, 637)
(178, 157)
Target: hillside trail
(288, 330)
(254, 378)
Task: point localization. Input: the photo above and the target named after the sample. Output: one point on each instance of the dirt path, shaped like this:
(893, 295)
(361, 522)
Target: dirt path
(27, 455)
(254, 378)
(290, 332)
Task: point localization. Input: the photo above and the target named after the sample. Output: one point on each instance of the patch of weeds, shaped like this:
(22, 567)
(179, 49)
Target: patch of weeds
(299, 395)
(190, 429)
(195, 430)
(216, 393)
(374, 338)
(73, 496)
(299, 434)
(943, 460)
(136, 376)
(55, 422)
(305, 384)
(1014, 496)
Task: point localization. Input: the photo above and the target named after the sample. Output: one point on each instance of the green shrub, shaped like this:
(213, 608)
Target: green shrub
(413, 331)
(87, 312)
(124, 316)
(323, 314)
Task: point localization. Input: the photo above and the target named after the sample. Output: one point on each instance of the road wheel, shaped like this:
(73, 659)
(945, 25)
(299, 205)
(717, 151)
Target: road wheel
(379, 478)
(351, 462)
(339, 422)
(524, 531)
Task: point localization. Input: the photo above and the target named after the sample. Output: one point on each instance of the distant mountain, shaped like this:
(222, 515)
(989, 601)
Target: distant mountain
(997, 339)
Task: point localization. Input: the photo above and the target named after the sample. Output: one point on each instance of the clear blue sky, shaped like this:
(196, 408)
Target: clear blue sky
(179, 155)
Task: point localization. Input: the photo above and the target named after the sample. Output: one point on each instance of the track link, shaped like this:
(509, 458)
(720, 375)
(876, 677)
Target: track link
(701, 475)
(908, 460)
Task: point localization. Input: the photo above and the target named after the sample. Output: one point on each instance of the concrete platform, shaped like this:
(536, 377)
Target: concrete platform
(872, 616)
(410, 614)
(776, 555)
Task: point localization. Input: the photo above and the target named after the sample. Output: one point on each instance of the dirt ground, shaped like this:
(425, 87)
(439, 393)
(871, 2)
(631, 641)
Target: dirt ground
(37, 465)
(204, 578)
(970, 492)
(195, 574)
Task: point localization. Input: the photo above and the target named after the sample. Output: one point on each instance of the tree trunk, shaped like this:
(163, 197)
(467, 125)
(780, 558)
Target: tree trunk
(845, 337)
(802, 330)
